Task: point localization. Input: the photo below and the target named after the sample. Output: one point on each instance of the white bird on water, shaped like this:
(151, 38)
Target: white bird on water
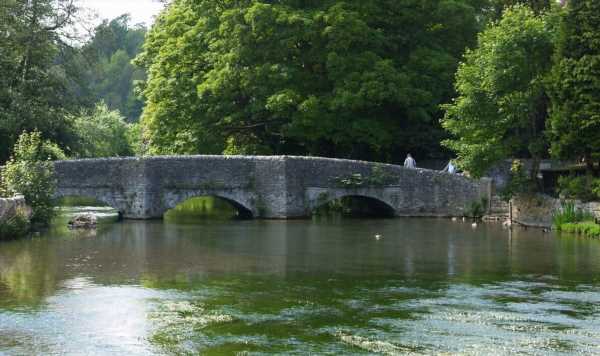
(474, 225)
(377, 237)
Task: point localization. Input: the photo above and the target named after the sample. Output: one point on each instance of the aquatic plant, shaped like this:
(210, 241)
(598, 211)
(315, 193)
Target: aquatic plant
(586, 228)
(477, 208)
(569, 213)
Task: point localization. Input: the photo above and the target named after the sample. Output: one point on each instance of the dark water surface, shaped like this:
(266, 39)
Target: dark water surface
(299, 287)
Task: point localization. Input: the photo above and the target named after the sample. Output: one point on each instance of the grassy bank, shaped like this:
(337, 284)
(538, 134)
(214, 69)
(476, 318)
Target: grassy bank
(585, 228)
(575, 221)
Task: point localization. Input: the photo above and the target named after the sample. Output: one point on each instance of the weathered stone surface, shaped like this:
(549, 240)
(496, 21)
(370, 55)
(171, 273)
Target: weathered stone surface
(538, 210)
(9, 207)
(264, 186)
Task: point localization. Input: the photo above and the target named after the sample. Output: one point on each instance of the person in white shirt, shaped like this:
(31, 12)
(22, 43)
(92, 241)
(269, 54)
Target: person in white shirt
(410, 162)
(450, 167)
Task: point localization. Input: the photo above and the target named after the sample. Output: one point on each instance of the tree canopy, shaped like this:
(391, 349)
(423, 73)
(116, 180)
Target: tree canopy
(501, 108)
(110, 75)
(101, 133)
(574, 124)
(34, 91)
(352, 78)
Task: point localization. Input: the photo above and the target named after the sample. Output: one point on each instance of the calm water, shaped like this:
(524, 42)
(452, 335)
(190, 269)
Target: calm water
(299, 287)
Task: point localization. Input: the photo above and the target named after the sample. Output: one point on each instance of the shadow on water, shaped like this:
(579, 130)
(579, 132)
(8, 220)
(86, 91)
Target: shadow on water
(354, 207)
(208, 208)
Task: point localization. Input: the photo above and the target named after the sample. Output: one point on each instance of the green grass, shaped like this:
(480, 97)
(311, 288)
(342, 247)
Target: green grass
(585, 228)
(570, 214)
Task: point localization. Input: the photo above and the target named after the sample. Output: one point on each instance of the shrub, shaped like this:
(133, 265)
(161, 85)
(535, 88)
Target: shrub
(31, 173)
(476, 209)
(15, 227)
(31, 147)
(583, 188)
(102, 133)
(596, 188)
(518, 182)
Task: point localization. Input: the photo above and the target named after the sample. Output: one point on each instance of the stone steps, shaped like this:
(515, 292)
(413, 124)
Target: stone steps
(498, 206)
(498, 210)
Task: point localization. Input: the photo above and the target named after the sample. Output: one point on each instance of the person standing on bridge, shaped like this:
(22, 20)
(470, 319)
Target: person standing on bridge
(410, 162)
(450, 167)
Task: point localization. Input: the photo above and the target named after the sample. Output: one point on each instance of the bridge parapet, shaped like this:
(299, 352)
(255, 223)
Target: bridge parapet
(266, 186)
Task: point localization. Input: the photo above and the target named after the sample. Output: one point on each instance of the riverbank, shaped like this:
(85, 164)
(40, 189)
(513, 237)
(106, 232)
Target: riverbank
(14, 217)
(586, 228)
(542, 211)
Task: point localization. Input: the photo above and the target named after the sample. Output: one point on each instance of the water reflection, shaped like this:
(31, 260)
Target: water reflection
(319, 286)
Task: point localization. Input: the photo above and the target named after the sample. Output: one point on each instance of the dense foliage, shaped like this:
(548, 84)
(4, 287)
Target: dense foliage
(349, 78)
(574, 123)
(109, 74)
(501, 109)
(582, 187)
(34, 90)
(101, 133)
(31, 173)
(45, 76)
(14, 227)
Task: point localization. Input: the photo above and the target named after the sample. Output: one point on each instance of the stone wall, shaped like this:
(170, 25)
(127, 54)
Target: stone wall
(9, 207)
(410, 192)
(264, 186)
(538, 210)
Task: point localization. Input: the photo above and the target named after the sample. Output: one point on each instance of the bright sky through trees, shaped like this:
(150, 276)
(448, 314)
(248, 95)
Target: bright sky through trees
(140, 10)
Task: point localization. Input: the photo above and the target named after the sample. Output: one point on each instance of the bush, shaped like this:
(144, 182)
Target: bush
(476, 209)
(31, 173)
(102, 133)
(31, 147)
(518, 183)
(15, 227)
(584, 188)
(596, 188)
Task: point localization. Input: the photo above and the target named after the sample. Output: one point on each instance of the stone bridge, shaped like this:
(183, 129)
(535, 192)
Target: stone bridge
(263, 186)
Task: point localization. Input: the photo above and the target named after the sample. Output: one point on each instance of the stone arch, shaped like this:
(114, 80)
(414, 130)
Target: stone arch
(374, 199)
(102, 197)
(242, 202)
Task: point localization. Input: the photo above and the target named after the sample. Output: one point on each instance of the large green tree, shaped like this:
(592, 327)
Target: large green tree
(33, 88)
(501, 108)
(353, 78)
(498, 6)
(574, 123)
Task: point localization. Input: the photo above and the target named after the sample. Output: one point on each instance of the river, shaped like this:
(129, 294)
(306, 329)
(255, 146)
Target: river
(320, 286)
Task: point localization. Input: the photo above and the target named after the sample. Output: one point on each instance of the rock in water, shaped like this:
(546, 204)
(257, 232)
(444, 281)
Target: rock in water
(84, 221)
